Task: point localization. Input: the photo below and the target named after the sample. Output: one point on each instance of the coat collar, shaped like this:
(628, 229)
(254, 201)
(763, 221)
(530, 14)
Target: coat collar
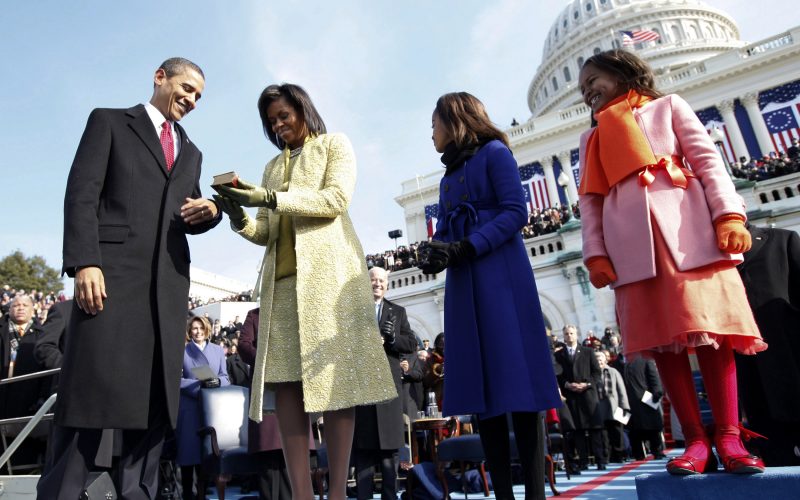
(143, 127)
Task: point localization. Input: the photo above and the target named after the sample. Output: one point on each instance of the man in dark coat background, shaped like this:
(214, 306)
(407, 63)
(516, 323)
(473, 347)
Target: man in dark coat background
(769, 383)
(132, 195)
(379, 428)
(646, 423)
(579, 379)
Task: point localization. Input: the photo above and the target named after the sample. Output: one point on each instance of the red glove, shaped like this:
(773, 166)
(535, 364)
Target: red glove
(601, 271)
(732, 236)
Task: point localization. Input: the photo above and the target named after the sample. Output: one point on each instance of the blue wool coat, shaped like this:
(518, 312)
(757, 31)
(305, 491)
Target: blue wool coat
(497, 357)
(189, 417)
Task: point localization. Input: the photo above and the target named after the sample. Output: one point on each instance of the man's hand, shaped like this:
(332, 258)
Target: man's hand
(197, 211)
(387, 330)
(90, 289)
(404, 366)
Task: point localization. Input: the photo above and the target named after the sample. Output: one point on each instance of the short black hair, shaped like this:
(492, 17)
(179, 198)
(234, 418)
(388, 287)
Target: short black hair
(299, 99)
(176, 65)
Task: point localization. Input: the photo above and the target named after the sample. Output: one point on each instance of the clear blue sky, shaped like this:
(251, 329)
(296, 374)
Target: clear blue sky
(374, 70)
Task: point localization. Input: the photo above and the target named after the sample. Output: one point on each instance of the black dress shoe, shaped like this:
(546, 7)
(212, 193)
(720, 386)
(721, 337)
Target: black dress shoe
(659, 456)
(601, 466)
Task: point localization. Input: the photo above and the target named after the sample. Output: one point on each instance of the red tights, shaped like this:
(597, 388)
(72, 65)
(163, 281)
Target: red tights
(719, 377)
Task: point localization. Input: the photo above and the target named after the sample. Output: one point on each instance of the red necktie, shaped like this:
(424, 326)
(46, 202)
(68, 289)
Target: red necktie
(167, 144)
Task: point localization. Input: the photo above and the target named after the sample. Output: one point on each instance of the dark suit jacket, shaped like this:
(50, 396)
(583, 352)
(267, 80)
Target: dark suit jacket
(770, 381)
(50, 342)
(20, 398)
(122, 213)
(641, 375)
(582, 368)
(381, 426)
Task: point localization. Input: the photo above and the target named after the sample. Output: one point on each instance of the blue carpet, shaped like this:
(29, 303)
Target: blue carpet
(776, 483)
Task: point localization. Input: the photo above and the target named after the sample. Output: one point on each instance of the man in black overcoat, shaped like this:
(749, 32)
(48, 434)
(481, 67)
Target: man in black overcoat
(579, 379)
(769, 382)
(379, 428)
(133, 194)
(646, 423)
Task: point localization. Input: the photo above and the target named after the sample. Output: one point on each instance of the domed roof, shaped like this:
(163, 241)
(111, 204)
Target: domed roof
(688, 31)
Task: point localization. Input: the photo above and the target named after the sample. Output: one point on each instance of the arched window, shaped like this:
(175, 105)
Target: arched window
(709, 32)
(776, 195)
(597, 50)
(588, 7)
(575, 15)
(555, 84)
(693, 33)
(559, 246)
(660, 39)
(567, 76)
(580, 62)
(533, 252)
(550, 248)
(788, 191)
(676, 33)
(545, 92)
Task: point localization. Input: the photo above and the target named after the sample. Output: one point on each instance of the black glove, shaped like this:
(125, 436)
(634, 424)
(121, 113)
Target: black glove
(211, 383)
(444, 255)
(387, 330)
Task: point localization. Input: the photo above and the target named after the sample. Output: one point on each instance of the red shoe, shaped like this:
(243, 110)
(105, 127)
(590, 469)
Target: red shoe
(732, 453)
(687, 465)
(743, 464)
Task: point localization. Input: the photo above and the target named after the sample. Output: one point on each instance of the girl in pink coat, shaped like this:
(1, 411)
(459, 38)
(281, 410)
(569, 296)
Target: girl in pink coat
(663, 225)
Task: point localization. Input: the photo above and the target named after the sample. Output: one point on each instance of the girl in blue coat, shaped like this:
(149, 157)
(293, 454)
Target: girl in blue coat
(498, 359)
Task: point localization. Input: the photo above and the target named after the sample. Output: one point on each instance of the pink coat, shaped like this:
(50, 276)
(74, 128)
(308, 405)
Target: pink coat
(618, 225)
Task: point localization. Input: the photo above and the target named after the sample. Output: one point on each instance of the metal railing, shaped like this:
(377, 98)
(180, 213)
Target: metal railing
(32, 421)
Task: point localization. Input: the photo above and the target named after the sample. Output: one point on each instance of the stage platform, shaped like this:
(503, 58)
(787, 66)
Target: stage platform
(619, 482)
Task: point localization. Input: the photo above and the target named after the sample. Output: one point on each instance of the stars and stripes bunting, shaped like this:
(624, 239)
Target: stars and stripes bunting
(782, 123)
(534, 186)
(431, 217)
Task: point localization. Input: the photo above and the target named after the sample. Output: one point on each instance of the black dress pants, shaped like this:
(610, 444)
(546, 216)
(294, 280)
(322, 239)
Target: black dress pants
(365, 461)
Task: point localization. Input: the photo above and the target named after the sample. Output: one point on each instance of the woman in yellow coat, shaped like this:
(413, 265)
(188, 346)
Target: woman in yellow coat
(319, 342)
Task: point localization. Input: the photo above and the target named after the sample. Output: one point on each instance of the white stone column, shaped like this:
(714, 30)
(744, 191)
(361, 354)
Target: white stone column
(550, 179)
(750, 102)
(565, 158)
(726, 108)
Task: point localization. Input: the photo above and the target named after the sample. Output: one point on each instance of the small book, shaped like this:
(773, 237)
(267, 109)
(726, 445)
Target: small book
(226, 179)
(203, 372)
(647, 398)
(621, 416)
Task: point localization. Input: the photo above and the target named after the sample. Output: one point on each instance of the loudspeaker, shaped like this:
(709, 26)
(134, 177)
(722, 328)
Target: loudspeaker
(99, 486)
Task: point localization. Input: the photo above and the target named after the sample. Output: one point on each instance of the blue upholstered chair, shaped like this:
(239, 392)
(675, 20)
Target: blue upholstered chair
(224, 433)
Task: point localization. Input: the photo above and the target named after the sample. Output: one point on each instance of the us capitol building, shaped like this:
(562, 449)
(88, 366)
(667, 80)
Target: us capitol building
(746, 93)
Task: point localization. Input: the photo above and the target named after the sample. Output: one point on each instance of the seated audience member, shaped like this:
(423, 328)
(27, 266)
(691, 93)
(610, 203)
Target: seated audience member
(198, 352)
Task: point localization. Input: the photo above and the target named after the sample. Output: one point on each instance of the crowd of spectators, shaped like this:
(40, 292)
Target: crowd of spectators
(548, 220)
(403, 257)
(41, 301)
(195, 302)
(768, 166)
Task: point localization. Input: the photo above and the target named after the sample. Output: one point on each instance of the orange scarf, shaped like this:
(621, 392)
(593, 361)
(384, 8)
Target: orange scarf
(617, 147)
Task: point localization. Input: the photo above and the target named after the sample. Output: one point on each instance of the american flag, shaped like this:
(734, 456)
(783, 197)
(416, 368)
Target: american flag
(780, 107)
(711, 118)
(782, 124)
(637, 36)
(534, 186)
(574, 160)
(431, 216)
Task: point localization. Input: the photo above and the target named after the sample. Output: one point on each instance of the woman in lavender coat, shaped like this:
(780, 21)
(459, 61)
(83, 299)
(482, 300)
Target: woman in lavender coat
(199, 351)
